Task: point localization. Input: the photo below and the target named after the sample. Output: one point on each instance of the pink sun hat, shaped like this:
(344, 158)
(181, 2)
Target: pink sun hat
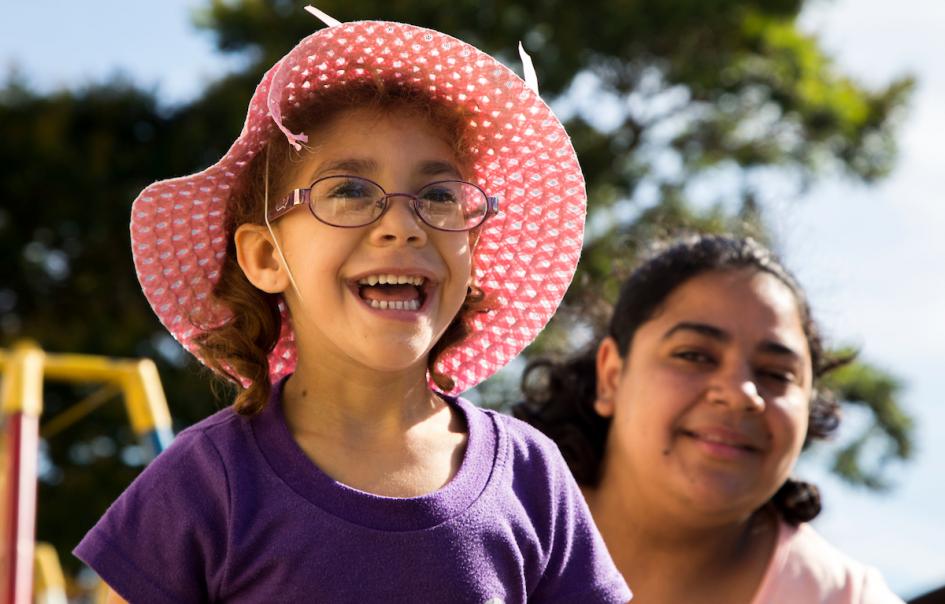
(525, 257)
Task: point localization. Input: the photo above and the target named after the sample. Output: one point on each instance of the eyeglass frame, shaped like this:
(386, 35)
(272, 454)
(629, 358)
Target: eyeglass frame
(303, 196)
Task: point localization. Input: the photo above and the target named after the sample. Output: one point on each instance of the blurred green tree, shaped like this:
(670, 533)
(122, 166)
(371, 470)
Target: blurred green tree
(664, 99)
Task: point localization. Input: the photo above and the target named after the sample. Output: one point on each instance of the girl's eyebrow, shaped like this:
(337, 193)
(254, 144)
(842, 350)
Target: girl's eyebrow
(722, 336)
(355, 166)
(362, 167)
(433, 168)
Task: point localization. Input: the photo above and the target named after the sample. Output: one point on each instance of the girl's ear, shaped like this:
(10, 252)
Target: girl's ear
(609, 368)
(258, 258)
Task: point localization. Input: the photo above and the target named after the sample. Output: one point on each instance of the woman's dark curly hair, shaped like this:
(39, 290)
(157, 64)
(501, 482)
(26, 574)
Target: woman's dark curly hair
(559, 396)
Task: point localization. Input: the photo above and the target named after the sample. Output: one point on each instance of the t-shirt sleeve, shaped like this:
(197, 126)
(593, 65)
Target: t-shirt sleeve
(579, 568)
(164, 538)
(875, 590)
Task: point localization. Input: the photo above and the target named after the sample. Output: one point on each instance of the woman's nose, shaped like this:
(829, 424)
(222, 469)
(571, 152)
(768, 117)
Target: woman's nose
(736, 387)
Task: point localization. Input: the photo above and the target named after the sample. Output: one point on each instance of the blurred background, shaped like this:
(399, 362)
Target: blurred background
(814, 125)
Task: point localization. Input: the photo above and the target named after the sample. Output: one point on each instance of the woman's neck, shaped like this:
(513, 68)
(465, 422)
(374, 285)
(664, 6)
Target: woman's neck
(666, 554)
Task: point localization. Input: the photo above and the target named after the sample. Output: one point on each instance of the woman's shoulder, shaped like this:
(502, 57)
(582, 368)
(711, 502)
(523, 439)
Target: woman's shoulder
(808, 567)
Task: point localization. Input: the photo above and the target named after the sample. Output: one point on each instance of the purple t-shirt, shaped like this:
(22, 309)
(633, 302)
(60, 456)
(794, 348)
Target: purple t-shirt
(234, 511)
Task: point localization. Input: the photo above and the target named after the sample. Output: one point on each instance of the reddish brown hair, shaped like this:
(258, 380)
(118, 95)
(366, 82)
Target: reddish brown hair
(238, 349)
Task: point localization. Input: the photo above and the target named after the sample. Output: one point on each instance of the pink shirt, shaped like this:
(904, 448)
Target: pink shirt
(805, 568)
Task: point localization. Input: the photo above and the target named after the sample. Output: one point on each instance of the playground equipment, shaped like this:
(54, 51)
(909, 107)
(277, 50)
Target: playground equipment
(23, 369)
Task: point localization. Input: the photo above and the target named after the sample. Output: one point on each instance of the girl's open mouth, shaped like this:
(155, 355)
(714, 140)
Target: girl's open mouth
(393, 292)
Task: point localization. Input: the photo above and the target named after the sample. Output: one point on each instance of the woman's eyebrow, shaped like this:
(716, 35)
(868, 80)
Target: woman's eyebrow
(703, 329)
(779, 349)
(720, 335)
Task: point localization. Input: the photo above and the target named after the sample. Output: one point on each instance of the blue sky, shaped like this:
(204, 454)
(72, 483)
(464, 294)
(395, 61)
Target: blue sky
(871, 258)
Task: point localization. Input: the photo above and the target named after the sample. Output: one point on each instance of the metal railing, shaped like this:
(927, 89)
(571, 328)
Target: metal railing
(24, 368)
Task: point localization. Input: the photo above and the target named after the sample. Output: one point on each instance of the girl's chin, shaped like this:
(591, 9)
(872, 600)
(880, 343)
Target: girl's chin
(397, 360)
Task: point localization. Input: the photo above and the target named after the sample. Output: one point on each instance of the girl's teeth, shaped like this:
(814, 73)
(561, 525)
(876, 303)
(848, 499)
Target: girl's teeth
(395, 304)
(391, 280)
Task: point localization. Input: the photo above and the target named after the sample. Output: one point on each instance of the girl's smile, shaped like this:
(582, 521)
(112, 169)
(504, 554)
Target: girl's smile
(394, 291)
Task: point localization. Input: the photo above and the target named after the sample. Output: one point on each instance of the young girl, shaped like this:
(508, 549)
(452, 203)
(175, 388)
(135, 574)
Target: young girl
(415, 232)
(684, 424)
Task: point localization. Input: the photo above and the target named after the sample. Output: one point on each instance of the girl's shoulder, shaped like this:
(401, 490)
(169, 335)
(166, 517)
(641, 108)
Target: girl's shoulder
(176, 509)
(523, 440)
(807, 567)
(532, 489)
(523, 454)
(224, 429)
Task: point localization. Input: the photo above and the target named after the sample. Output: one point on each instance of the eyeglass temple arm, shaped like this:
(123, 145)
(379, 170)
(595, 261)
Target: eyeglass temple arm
(291, 201)
(492, 206)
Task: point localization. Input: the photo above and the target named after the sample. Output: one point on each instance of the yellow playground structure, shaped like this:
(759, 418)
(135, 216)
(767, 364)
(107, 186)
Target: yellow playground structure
(30, 572)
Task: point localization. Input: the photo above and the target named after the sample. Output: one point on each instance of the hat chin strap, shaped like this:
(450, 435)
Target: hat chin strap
(275, 240)
(528, 69)
(329, 21)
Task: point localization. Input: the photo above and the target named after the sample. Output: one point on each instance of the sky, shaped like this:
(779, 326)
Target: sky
(870, 257)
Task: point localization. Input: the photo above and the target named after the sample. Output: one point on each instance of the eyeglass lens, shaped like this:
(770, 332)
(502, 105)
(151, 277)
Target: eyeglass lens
(350, 201)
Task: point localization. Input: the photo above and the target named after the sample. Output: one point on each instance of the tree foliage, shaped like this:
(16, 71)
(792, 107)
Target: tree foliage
(686, 115)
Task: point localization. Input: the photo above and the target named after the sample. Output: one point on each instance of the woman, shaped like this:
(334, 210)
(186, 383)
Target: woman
(684, 424)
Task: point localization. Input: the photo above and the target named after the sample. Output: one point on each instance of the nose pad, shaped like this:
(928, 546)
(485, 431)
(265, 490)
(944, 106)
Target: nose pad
(400, 221)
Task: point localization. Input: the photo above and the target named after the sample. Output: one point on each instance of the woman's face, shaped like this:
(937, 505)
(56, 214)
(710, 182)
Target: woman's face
(710, 407)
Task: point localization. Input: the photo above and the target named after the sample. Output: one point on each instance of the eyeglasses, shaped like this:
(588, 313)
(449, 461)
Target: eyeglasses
(352, 201)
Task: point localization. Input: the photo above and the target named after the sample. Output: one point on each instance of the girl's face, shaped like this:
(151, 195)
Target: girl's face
(710, 406)
(340, 313)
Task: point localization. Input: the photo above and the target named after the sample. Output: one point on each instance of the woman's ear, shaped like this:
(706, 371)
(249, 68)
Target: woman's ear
(609, 368)
(257, 256)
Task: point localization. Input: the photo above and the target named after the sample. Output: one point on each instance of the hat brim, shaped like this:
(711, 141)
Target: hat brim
(525, 257)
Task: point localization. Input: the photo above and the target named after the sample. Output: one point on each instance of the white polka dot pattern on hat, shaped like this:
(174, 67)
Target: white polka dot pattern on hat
(526, 255)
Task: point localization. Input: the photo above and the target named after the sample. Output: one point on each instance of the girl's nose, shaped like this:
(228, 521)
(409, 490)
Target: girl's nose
(399, 224)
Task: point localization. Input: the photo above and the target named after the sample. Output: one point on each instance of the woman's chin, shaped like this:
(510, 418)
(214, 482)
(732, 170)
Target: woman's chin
(720, 502)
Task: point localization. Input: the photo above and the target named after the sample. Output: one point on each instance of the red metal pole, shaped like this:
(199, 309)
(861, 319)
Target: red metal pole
(21, 403)
(22, 447)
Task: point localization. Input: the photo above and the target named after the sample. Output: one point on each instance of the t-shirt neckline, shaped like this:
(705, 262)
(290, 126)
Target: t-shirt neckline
(775, 563)
(287, 460)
